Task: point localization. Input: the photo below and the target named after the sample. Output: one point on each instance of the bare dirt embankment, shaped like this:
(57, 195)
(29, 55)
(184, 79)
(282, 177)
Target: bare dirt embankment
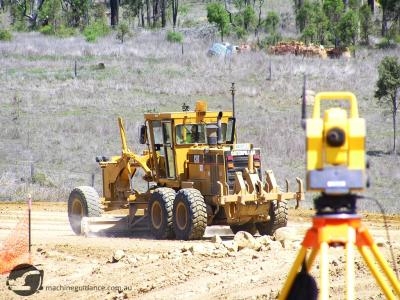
(77, 267)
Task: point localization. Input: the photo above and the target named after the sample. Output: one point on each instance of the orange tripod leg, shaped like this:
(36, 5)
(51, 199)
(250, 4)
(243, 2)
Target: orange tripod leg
(292, 274)
(386, 269)
(349, 232)
(364, 241)
(375, 272)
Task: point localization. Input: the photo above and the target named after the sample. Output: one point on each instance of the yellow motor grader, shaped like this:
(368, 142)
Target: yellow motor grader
(197, 176)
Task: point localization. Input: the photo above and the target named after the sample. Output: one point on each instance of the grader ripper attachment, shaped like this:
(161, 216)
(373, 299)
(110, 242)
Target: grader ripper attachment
(197, 175)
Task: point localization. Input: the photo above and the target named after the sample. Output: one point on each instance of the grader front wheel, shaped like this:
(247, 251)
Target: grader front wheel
(83, 202)
(189, 215)
(278, 214)
(160, 213)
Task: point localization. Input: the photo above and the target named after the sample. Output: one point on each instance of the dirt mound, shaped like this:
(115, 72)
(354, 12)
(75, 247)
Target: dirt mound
(310, 50)
(298, 48)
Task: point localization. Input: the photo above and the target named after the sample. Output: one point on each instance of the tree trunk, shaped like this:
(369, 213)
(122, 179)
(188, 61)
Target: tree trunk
(384, 29)
(155, 12)
(394, 133)
(394, 115)
(371, 4)
(298, 4)
(114, 5)
(175, 6)
(259, 13)
(142, 17)
(148, 13)
(76, 17)
(163, 17)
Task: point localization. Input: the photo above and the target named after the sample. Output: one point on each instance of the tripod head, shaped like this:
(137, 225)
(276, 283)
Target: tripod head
(336, 204)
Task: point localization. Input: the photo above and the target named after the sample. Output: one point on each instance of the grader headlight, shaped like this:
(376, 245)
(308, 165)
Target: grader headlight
(229, 162)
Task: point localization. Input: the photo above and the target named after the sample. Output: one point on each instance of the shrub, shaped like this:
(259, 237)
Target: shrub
(366, 25)
(41, 179)
(95, 30)
(174, 37)
(20, 26)
(47, 30)
(64, 31)
(386, 43)
(216, 14)
(61, 31)
(270, 40)
(5, 35)
(122, 31)
(241, 33)
(272, 22)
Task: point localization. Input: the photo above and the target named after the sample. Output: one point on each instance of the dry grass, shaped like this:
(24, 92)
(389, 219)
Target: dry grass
(64, 122)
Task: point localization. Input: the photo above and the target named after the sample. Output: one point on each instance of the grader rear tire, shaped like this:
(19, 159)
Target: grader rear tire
(250, 227)
(83, 202)
(278, 213)
(160, 213)
(189, 215)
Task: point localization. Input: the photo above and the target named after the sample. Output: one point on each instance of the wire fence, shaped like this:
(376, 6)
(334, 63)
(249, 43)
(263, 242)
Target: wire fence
(46, 183)
(19, 178)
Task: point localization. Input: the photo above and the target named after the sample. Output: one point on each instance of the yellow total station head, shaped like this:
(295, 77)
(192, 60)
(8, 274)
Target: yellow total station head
(335, 145)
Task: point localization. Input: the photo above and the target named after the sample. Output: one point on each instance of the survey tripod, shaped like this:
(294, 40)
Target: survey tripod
(336, 223)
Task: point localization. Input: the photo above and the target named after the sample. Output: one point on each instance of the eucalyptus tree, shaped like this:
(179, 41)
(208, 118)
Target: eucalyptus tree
(388, 88)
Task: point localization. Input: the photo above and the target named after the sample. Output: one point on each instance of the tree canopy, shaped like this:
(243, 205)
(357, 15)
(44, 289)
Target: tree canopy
(388, 88)
(217, 14)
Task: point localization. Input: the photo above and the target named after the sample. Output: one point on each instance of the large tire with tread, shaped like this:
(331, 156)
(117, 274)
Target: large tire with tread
(250, 227)
(83, 201)
(189, 215)
(160, 213)
(278, 213)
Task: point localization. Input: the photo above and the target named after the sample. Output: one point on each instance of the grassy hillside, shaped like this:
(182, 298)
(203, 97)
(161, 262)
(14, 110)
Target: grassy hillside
(57, 123)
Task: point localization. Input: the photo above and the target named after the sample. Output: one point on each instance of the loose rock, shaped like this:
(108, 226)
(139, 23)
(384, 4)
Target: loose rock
(265, 240)
(216, 239)
(231, 246)
(246, 240)
(118, 255)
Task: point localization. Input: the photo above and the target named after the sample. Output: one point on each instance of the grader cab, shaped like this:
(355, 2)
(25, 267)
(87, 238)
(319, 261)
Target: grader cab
(197, 176)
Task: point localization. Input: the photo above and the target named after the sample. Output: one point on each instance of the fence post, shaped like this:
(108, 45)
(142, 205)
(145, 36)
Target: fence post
(269, 78)
(29, 222)
(75, 69)
(32, 171)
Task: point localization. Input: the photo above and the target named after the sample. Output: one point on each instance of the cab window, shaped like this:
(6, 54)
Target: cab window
(195, 133)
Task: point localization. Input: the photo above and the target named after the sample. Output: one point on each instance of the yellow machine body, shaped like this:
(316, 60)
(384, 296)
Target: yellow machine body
(195, 150)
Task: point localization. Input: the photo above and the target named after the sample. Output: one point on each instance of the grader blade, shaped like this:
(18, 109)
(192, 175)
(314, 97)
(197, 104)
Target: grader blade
(112, 225)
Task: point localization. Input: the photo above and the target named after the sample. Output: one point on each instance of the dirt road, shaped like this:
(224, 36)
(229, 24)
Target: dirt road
(77, 267)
